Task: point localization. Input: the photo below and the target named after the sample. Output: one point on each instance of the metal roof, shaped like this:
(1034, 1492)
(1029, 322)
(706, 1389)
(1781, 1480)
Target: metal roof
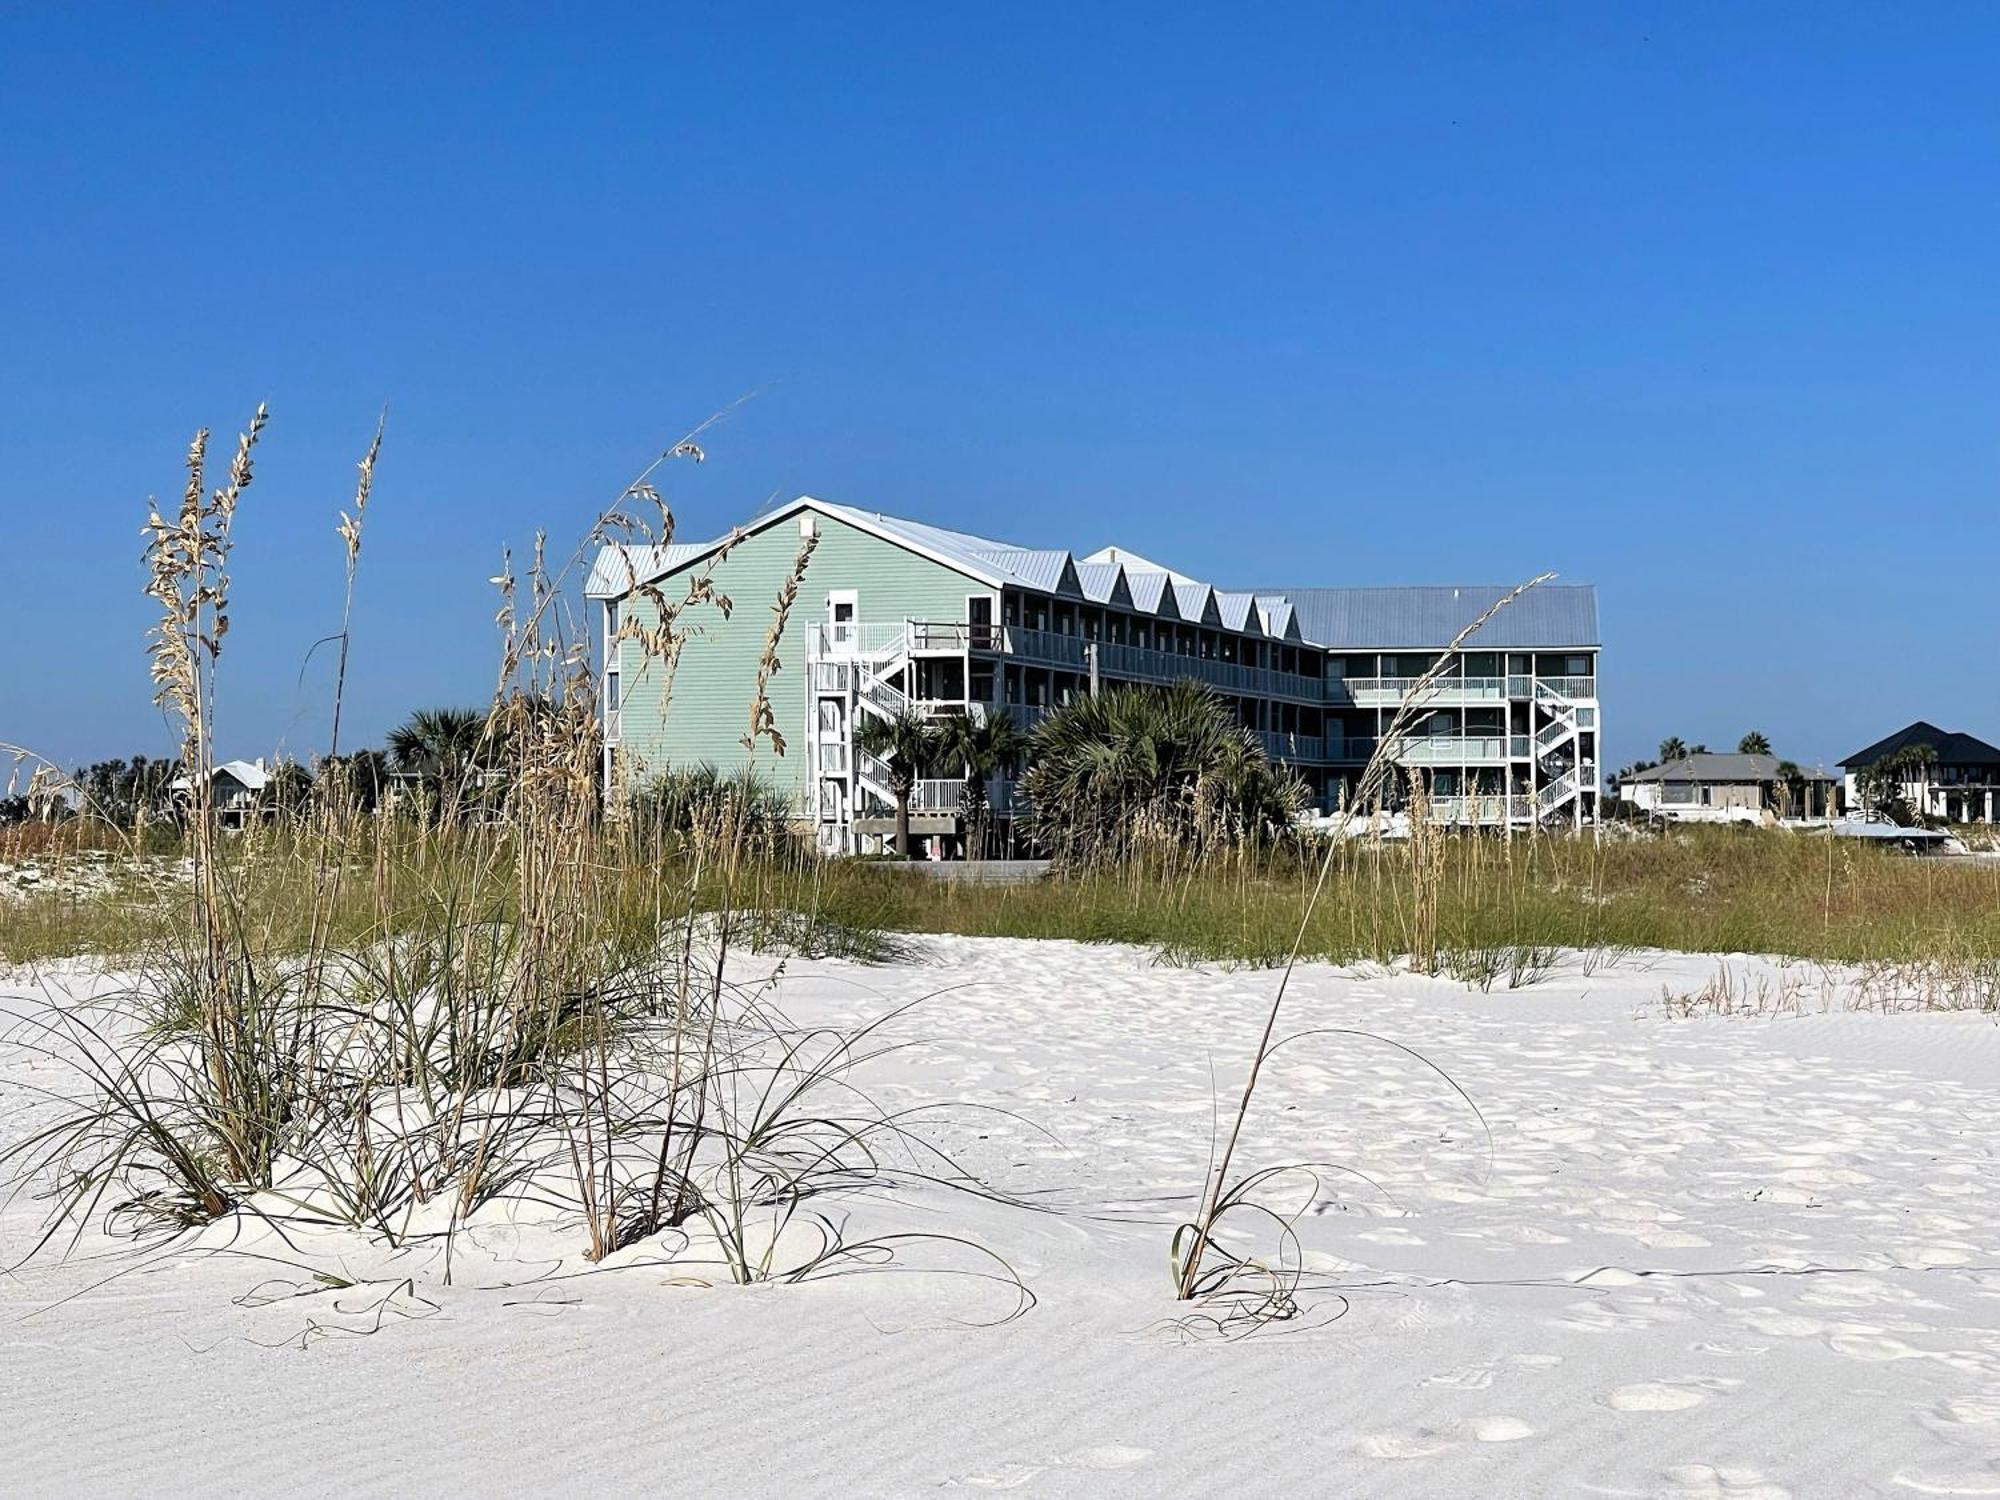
(1099, 580)
(619, 566)
(1381, 618)
(1952, 748)
(1707, 767)
(1431, 616)
(1235, 609)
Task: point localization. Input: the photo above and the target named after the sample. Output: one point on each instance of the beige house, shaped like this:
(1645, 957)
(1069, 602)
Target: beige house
(1708, 788)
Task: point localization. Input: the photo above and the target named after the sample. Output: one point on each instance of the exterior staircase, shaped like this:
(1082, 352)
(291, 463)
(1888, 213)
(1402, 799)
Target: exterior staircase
(1563, 793)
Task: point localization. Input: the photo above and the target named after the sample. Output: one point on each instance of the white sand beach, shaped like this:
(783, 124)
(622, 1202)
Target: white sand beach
(1703, 1256)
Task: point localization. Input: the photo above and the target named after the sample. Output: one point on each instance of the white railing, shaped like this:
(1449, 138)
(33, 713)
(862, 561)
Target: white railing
(1487, 809)
(1557, 792)
(833, 756)
(885, 698)
(936, 796)
(1460, 749)
(931, 796)
(1552, 734)
(1389, 692)
(1565, 689)
(613, 720)
(851, 638)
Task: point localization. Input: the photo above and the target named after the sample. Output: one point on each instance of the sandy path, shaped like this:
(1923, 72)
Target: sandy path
(1695, 1257)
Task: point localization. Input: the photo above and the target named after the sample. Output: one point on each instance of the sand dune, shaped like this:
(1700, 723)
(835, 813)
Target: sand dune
(1713, 1256)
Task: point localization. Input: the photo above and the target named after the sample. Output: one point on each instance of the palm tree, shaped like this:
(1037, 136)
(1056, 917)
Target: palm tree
(905, 743)
(441, 749)
(1791, 781)
(1672, 748)
(983, 748)
(1754, 743)
(1137, 767)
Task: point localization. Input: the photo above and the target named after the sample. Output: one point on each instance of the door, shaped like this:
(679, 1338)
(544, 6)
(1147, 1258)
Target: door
(979, 617)
(842, 620)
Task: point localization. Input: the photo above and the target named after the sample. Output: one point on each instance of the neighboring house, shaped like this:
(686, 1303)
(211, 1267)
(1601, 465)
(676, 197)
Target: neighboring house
(1939, 773)
(896, 613)
(1708, 788)
(238, 791)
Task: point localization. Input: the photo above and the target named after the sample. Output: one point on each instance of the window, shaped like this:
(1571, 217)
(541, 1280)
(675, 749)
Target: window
(610, 619)
(611, 691)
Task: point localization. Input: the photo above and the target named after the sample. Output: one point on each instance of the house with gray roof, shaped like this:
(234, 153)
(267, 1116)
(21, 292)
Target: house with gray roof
(896, 614)
(1706, 788)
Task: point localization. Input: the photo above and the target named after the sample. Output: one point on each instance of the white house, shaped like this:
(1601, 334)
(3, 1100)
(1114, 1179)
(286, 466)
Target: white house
(1939, 773)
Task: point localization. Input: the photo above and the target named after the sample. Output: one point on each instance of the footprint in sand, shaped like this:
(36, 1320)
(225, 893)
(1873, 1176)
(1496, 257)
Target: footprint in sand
(1110, 1456)
(1876, 1347)
(1013, 1476)
(1469, 1378)
(1654, 1395)
(1496, 1429)
(1703, 1481)
(1981, 1481)
(1399, 1446)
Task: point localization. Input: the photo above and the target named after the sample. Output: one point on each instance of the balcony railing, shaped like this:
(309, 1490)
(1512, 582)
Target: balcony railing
(1281, 745)
(1482, 809)
(1349, 747)
(613, 720)
(1461, 749)
(1389, 692)
(848, 638)
(928, 796)
(1143, 663)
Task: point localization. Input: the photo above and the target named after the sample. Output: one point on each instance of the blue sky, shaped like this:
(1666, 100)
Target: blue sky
(1697, 303)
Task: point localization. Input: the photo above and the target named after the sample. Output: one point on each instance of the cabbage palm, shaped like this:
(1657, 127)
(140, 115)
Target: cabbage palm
(905, 743)
(1170, 768)
(983, 748)
(441, 749)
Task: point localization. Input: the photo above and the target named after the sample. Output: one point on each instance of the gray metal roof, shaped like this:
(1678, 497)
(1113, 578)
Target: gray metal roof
(1733, 767)
(619, 566)
(1430, 616)
(1414, 619)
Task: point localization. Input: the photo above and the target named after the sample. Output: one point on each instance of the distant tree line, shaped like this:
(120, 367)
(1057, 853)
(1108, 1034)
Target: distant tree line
(437, 758)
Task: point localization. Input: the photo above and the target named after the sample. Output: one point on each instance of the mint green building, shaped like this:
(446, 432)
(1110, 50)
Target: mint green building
(894, 614)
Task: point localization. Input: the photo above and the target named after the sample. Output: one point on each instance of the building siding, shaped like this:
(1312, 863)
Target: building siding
(705, 711)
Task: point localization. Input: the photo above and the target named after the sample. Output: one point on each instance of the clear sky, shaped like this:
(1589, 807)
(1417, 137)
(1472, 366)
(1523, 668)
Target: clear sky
(1698, 303)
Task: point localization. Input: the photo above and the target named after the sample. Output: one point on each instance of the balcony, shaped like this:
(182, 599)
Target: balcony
(933, 798)
(1349, 747)
(1461, 749)
(1389, 692)
(1117, 660)
(1484, 811)
(1280, 745)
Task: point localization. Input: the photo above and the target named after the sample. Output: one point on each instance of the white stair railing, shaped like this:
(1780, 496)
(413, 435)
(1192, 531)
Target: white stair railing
(1557, 792)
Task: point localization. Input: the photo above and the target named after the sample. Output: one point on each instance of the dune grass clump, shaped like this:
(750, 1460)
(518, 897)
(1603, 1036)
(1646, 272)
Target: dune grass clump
(388, 1020)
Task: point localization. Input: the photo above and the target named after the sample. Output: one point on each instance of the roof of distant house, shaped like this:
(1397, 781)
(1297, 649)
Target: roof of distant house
(253, 774)
(1708, 768)
(1404, 618)
(1952, 748)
